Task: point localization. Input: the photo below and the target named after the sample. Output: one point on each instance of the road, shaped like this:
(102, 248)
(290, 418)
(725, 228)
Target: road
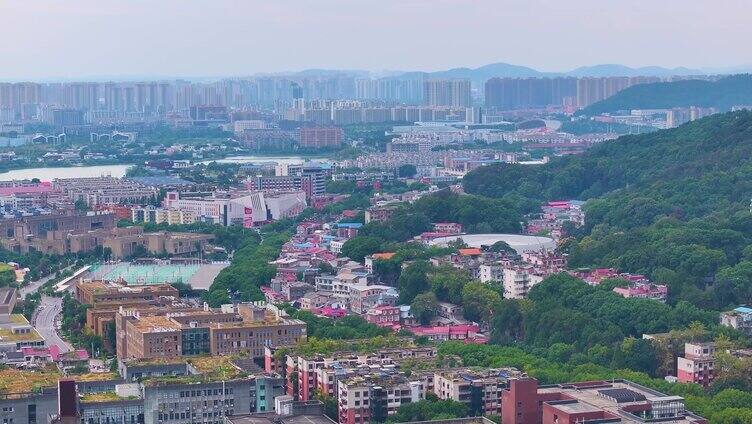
(44, 320)
(35, 285)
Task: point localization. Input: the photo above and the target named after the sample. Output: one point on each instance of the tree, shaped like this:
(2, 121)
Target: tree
(81, 205)
(430, 409)
(357, 248)
(424, 307)
(447, 282)
(502, 247)
(636, 354)
(413, 281)
(507, 325)
(407, 171)
(478, 301)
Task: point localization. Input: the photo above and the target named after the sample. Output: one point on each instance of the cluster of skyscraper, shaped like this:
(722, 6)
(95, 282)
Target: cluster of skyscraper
(525, 93)
(113, 100)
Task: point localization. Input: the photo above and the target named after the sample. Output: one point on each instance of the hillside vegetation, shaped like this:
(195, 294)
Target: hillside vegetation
(672, 204)
(722, 94)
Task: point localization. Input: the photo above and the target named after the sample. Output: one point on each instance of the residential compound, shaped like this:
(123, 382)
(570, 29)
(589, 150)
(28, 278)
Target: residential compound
(369, 387)
(105, 190)
(532, 93)
(553, 217)
(631, 285)
(165, 332)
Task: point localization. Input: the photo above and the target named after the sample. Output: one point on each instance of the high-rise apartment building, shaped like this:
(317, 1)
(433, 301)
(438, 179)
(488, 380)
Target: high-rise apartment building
(526, 93)
(450, 93)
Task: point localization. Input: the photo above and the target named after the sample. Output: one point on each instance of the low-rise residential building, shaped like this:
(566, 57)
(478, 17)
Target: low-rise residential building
(657, 292)
(479, 389)
(372, 398)
(449, 228)
(469, 333)
(739, 318)
(384, 315)
(380, 213)
(519, 280)
(697, 365)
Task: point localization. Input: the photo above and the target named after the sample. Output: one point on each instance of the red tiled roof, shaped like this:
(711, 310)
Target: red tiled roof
(474, 251)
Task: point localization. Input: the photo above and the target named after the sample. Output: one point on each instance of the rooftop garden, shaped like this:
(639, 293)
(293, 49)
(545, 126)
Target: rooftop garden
(23, 381)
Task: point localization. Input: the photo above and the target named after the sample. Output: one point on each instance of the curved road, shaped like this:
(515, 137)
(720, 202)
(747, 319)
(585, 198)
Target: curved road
(45, 317)
(45, 321)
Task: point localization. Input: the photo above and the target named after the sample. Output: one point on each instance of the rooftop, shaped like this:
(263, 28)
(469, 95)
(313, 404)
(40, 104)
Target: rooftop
(208, 368)
(274, 419)
(22, 381)
(104, 397)
(614, 396)
(156, 324)
(7, 334)
(743, 310)
(99, 376)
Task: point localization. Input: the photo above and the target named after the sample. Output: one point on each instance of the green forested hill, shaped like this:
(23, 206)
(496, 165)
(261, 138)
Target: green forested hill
(673, 204)
(721, 94)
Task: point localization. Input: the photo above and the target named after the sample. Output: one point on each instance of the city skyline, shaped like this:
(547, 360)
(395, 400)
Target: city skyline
(132, 40)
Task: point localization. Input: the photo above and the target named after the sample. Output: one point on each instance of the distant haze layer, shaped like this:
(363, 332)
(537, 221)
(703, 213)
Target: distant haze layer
(107, 38)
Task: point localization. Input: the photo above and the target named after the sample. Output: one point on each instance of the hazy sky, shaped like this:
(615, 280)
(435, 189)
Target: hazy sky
(80, 38)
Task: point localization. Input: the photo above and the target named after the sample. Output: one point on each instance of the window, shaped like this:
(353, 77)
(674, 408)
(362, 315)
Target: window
(32, 413)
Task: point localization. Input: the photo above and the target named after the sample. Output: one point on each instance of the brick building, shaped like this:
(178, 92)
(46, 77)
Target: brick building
(618, 401)
(170, 333)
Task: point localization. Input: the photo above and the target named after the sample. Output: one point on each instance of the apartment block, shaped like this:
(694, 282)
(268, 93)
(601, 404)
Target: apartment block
(155, 215)
(697, 365)
(104, 190)
(320, 137)
(519, 280)
(321, 373)
(479, 389)
(372, 398)
(231, 329)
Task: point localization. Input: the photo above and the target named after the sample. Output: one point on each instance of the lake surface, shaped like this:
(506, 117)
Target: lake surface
(49, 174)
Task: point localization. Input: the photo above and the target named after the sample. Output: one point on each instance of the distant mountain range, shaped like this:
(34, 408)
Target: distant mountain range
(507, 70)
(477, 75)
